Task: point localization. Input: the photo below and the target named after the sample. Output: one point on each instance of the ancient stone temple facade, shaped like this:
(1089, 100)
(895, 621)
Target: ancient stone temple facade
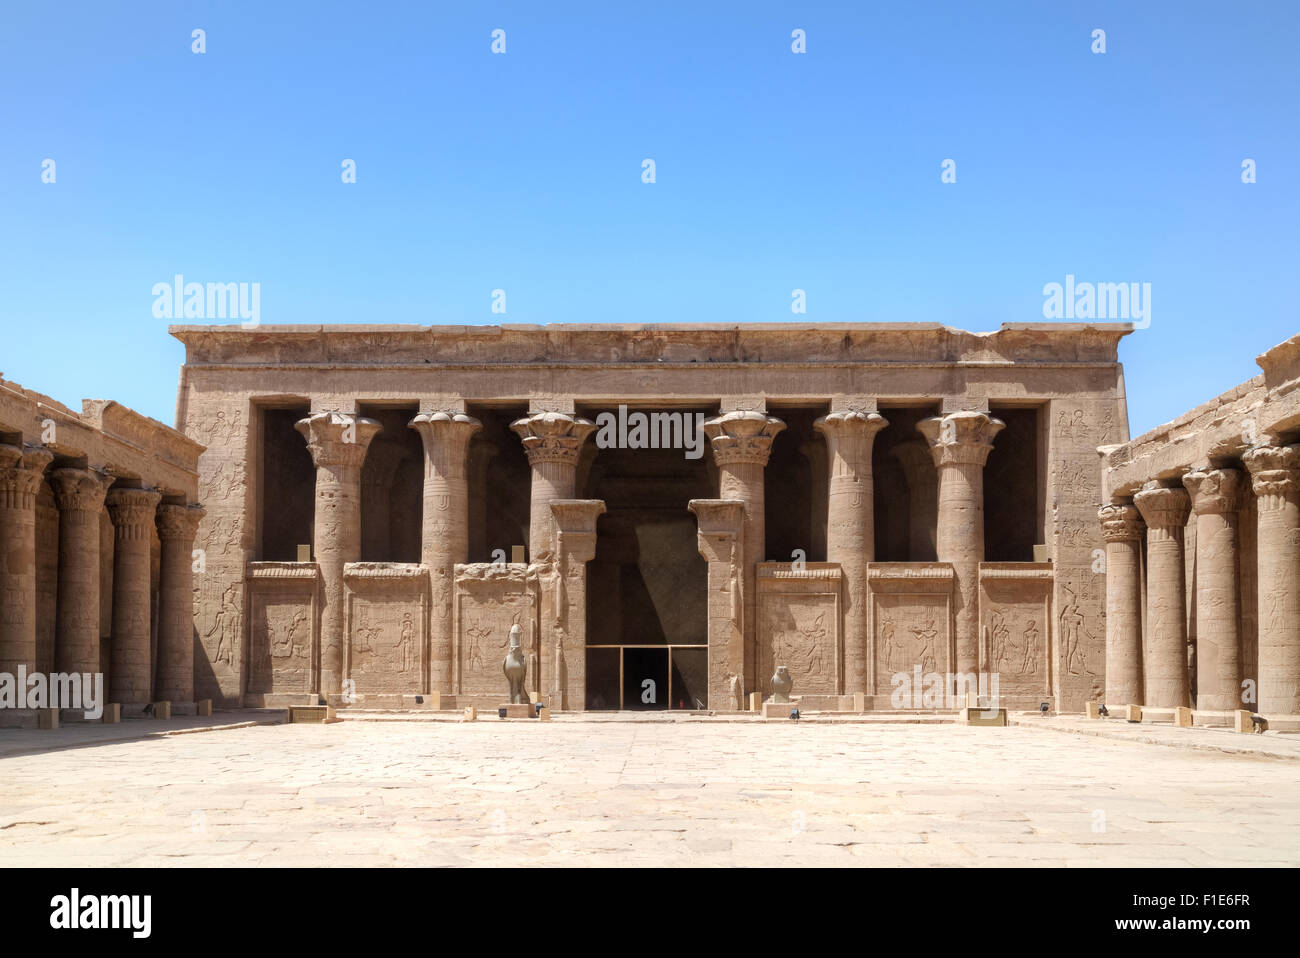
(668, 513)
(98, 516)
(1202, 529)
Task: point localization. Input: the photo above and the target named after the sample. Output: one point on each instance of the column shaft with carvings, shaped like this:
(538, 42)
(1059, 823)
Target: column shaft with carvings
(80, 497)
(553, 442)
(444, 537)
(1121, 527)
(338, 444)
(720, 538)
(960, 444)
(177, 525)
(1216, 499)
(850, 531)
(130, 674)
(1275, 476)
(742, 444)
(21, 470)
(1165, 511)
(564, 642)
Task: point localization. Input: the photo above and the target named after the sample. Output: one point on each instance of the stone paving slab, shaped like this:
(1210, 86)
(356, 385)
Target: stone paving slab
(581, 794)
(18, 741)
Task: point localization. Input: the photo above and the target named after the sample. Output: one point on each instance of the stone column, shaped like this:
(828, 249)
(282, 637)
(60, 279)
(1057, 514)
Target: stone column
(177, 525)
(444, 537)
(923, 498)
(1275, 476)
(850, 531)
(1216, 500)
(1165, 512)
(21, 470)
(338, 444)
(129, 674)
(720, 537)
(1121, 527)
(552, 441)
(80, 497)
(742, 444)
(564, 647)
(960, 444)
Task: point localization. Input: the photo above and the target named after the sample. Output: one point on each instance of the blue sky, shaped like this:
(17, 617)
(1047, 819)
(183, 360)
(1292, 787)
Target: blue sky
(522, 171)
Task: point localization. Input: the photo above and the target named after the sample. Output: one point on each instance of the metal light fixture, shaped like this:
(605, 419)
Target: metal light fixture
(419, 700)
(1042, 707)
(1102, 711)
(501, 713)
(794, 714)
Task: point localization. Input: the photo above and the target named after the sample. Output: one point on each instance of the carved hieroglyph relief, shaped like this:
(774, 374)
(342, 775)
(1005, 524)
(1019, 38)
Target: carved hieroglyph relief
(489, 600)
(799, 626)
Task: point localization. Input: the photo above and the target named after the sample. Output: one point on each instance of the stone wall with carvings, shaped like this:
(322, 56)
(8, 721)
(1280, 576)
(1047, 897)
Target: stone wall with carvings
(387, 629)
(283, 633)
(1016, 629)
(799, 626)
(911, 620)
(489, 600)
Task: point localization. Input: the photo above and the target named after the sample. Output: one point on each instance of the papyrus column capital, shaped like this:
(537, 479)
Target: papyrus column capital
(133, 511)
(1120, 522)
(742, 436)
(1215, 491)
(78, 490)
(337, 439)
(1274, 474)
(21, 470)
(960, 438)
(177, 522)
(1164, 508)
(553, 436)
(450, 431)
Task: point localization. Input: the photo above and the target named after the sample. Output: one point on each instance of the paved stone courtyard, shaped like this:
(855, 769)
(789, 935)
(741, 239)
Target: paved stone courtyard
(643, 793)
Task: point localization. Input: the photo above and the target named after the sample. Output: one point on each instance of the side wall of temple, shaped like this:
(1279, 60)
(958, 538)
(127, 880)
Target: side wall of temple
(98, 515)
(1202, 528)
(868, 500)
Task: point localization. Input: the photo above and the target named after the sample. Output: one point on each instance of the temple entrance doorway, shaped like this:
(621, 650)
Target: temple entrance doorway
(647, 616)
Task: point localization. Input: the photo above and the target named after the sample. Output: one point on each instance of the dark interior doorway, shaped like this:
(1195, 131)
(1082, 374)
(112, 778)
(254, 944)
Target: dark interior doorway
(647, 618)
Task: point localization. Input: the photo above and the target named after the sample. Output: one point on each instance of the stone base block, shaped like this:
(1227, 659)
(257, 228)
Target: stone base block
(1157, 715)
(1244, 721)
(1183, 717)
(433, 701)
(203, 707)
(1133, 713)
(471, 714)
(47, 718)
(112, 713)
(978, 716)
(755, 701)
(524, 710)
(544, 714)
(778, 710)
(311, 714)
(162, 710)
(1091, 711)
